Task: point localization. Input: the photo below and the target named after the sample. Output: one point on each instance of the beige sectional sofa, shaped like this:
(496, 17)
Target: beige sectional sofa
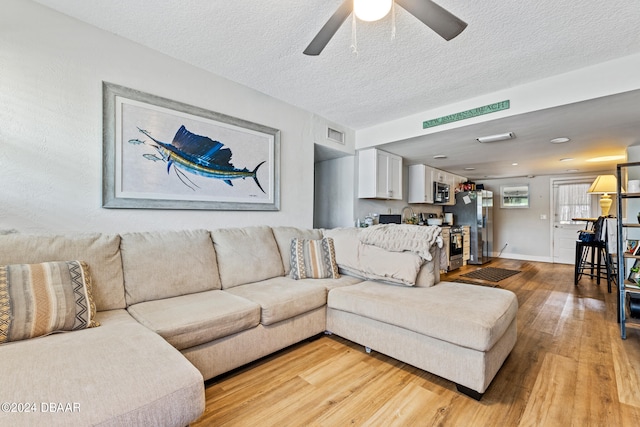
(180, 307)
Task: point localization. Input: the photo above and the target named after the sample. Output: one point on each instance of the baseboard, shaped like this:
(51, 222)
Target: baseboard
(523, 257)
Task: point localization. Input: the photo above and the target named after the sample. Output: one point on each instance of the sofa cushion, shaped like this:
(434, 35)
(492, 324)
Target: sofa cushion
(194, 319)
(101, 252)
(38, 299)
(284, 235)
(329, 284)
(282, 298)
(313, 259)
(466, 315)
(371, 262)
(118, 374)
(246, 255)
(167, 264)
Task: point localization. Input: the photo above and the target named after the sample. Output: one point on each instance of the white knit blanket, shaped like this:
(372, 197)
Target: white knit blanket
(403, 237)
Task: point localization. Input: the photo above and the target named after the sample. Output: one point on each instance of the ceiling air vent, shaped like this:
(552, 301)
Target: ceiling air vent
(335, 135)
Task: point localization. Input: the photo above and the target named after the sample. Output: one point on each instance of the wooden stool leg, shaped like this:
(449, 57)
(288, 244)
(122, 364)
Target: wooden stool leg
(578, 260)
(599, 257)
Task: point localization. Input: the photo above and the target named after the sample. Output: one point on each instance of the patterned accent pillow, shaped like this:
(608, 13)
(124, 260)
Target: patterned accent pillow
(313, 259)
(38, 299)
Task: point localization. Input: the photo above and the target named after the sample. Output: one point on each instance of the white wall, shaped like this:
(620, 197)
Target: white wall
(334, 193)
(631, 207)
(51, 73)
(526, 235)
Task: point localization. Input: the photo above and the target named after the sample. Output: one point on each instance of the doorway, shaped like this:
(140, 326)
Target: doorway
(569, 200)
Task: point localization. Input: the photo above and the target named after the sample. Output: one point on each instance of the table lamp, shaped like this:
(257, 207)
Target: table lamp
(605, 185)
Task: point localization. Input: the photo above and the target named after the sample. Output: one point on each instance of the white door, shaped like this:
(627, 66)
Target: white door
(569, 201)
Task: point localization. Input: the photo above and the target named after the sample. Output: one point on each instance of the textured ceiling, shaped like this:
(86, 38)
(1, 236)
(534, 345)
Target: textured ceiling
(259, 44)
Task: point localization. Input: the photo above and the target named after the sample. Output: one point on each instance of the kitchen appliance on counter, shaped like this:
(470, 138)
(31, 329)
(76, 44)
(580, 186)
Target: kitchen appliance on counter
(448, 218)
(389, 219)
(474, 208)
(434, 221)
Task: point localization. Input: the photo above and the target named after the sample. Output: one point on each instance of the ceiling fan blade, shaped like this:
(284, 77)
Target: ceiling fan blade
(333, 24)
(435, 17)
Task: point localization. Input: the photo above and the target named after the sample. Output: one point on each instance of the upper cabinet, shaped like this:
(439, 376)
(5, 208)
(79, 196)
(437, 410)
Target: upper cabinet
(421, 179)
(455, 181)
(379, 175)
(420, 184)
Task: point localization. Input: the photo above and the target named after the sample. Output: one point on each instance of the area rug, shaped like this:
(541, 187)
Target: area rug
(491, 274)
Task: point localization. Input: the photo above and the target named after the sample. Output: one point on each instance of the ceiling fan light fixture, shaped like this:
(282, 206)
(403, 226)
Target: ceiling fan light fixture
(371, 10)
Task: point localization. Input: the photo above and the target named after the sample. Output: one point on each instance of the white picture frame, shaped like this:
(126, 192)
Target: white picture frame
(163, 154)
(515, 196)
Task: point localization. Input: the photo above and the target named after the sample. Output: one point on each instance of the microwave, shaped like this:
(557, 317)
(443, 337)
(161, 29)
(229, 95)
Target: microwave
(440, 192)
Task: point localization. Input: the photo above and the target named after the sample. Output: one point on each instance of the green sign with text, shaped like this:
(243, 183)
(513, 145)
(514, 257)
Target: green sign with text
(475, 112)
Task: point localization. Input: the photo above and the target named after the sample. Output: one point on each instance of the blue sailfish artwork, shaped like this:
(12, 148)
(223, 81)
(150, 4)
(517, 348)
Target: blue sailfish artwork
(198, 155)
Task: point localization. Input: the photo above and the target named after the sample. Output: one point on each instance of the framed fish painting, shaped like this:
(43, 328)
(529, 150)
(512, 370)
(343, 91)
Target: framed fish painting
(163, 154)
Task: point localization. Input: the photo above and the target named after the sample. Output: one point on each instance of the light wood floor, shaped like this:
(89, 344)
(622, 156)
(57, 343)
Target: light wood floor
(568, 368)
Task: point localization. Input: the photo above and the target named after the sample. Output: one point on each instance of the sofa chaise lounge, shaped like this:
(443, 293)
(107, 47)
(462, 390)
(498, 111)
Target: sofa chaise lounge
(179, 307)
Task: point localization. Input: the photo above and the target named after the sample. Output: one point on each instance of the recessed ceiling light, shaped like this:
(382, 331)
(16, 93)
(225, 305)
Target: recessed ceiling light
(439, 156)
(469, 169)
(497, 137)
(572, 170)
(514, 164)
(606, 158)
(566, 159)
(560, 140)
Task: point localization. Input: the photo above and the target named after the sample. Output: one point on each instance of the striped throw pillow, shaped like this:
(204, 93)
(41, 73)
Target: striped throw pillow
(38, 299)
(313, 259)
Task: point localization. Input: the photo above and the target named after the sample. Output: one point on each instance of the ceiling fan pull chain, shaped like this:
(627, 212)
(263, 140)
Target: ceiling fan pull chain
(354, 37)
(393, 20)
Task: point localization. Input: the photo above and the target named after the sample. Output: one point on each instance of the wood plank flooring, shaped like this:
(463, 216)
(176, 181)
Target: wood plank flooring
(568, 368)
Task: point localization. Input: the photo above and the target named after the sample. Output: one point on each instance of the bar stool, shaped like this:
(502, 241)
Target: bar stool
(592, 260)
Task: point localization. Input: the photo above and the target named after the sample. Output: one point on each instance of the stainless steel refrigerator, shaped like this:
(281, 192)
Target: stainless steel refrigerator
(474, 208)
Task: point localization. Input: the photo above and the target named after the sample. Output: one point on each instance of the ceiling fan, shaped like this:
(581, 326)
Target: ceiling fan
(433, 16)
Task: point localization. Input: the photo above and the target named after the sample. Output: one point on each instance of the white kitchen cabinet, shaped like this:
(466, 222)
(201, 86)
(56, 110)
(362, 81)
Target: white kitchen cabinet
(454, 182)
(438, 175)
(421, 179)
(379, 175)
(420, 184)
(466, 244)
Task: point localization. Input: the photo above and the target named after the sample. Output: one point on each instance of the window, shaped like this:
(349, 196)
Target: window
(572, 201)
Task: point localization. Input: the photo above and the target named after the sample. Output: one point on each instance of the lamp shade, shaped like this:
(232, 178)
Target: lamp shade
(604, 184)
